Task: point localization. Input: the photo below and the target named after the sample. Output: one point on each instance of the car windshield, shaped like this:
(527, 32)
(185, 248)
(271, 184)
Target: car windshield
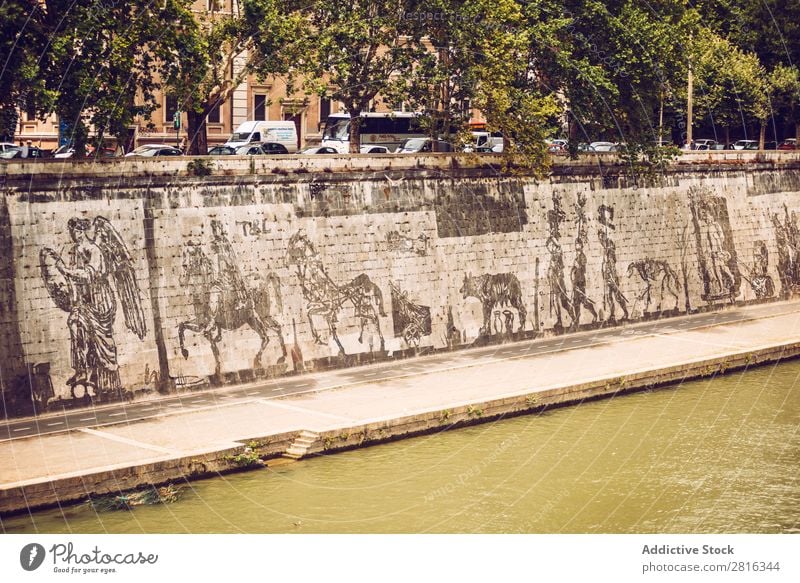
(338, 131)
(144, 149)
(240, 137)
(414, 143)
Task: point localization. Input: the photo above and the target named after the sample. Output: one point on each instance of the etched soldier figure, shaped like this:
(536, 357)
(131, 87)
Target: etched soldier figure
(578, 276)
(225, 274)
(578, 272)
(82, 286)
(712, 240)
(559, 298)
(612, 294)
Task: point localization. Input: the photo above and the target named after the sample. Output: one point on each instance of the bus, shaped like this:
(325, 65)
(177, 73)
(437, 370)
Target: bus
(377, 129)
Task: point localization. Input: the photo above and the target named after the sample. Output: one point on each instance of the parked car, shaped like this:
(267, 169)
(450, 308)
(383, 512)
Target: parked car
(770, 145)
(29, 152)
(64, 152)
(273, 148)
(5, 146)
(9, 153)
(222, 151)
(745, 145)
(556, 146)
(602, 147)
(367, 149)
(319, 150)
(152, 150)
(704, 144)
(788, 144)
(250, 150)
(415, 145)
(102, 153)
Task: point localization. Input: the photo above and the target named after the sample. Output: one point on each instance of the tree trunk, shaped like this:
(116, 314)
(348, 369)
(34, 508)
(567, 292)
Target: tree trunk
(79, 136)
(355, 131)
(762, 134)
(797, 132)
(197, 131)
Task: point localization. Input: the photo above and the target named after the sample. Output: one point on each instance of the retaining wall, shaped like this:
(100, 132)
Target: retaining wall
(275, 266)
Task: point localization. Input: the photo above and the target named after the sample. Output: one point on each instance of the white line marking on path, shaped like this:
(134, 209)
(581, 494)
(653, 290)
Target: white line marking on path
(22, 429)
(116, 414)
(54, 424)
(124, 440)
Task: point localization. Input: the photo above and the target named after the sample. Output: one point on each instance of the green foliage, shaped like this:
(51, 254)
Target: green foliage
(353, 54)
(215, 52)
(129, 500)
(730, 85)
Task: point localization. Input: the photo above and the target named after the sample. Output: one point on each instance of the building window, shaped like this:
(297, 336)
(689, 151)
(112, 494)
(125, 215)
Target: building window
(259, 107)
(214, 115)
(30, 109)
(324, 109)
(170, 107)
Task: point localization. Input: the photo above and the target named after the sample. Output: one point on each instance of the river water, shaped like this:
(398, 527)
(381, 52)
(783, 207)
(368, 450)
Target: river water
(718, 456)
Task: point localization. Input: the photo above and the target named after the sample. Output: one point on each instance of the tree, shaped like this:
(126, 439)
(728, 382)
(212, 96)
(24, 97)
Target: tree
(217, 51)
(769, 29)
(731, 85)
(784, 82)
(101, 62)
(352, 54)
(21, 43)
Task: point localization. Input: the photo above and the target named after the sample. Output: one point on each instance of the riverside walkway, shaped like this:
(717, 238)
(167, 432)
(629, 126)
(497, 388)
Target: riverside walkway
(62, 458)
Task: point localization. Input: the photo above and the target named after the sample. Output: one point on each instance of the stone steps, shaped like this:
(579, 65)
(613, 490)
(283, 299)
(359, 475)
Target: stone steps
(301, 444)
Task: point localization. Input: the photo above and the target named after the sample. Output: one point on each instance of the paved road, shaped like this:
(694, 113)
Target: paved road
(128, 412)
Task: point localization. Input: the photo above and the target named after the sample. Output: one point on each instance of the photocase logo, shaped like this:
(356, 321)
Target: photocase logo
(31, 556)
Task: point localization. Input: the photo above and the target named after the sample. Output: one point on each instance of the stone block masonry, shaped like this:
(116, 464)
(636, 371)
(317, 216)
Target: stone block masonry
(121, 281)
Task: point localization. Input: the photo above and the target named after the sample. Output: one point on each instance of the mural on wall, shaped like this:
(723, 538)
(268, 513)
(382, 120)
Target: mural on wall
(326, 299)
(787, 239)
(760, 281)
(398, 242)
(717, 262)
(499, 290)
(580, 301)
(411, 321)
(83, 284)
(612, 296)
(652, 271)
(559, 298)
(684, 243)
(223, 301)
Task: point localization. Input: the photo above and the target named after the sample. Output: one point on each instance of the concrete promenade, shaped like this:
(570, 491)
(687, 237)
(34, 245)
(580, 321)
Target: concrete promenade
(341, 410)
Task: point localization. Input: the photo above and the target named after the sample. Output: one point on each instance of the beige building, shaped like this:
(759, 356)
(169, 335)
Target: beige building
(251, 100)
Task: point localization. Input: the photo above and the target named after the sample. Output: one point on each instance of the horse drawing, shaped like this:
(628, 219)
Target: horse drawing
(221, 305)
(650, 271)
(499, 289)
(325, 298)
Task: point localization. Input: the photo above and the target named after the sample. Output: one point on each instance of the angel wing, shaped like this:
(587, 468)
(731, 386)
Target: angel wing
(57, 286)
(120, 264)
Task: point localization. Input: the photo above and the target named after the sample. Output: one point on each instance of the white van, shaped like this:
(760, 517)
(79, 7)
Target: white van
(484, 141)
(281, 132)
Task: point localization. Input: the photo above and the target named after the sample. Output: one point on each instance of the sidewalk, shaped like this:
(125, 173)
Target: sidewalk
(68, 466)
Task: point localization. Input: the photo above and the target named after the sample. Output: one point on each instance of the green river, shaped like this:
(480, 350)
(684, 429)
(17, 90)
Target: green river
(719, 456)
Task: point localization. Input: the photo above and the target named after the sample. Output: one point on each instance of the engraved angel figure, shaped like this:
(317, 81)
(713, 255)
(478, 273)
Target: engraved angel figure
(81, 283)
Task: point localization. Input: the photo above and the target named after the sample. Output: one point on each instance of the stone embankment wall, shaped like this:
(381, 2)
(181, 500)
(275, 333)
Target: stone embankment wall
(123, 279)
